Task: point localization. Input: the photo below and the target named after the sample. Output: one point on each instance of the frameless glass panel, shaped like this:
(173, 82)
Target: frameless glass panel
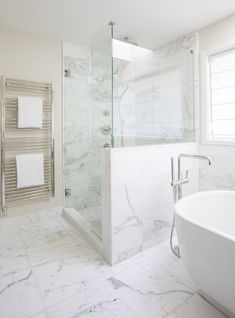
(100, 118)
(153, 95)
(76, 131)
(87, 123)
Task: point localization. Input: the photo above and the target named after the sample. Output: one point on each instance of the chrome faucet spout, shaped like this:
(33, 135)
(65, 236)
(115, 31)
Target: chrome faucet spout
(182, 155)
(189, 156)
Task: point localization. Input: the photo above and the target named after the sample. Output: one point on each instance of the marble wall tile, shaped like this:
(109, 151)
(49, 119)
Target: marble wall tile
(221, 174)
(141, 196)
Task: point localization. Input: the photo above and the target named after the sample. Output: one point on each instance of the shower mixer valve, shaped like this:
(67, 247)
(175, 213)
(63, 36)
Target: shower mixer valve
(106, 129)
(106, 112)
(67, 192)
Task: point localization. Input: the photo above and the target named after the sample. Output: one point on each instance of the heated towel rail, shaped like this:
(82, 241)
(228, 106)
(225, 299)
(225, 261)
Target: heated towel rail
(16, 140)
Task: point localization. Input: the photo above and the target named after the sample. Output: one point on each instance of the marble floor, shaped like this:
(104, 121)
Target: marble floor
(48, 270)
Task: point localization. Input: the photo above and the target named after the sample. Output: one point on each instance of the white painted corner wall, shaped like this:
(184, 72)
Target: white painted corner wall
(30, 57)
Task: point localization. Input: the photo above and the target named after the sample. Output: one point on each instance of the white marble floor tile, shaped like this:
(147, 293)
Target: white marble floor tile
(66, 278)
(9, 223)
(110, 271)
(48, 270)
(49, 232)
(150, 290)
(54, 251)
(42, 228)
(13, 259)
(19, 296)
(164, 257)
(196, 307)
(9, 237)
(99, 301)
(43, 215)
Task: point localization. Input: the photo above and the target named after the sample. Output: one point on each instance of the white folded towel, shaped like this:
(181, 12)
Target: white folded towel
(30, 170)
(30, 112)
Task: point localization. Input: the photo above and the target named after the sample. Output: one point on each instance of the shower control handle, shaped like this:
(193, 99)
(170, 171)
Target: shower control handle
(106, 129)
(67, 192)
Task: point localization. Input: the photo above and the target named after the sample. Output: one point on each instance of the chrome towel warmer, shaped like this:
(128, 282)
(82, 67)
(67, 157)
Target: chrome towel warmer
(16, 140)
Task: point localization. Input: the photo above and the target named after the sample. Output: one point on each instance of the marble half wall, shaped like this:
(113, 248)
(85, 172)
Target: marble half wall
(140, 198)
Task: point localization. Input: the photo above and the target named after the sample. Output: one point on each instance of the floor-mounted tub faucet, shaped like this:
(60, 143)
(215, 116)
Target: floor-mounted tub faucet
(177, 188)
(178, 184)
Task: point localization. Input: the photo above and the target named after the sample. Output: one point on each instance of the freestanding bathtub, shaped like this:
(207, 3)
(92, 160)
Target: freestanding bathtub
(205, 225)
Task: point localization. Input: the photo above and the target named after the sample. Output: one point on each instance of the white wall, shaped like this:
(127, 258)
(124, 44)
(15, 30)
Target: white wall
(221, 175)
(30, 57)
(217, 34)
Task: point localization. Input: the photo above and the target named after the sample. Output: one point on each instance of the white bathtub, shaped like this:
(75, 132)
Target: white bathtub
(205, 224)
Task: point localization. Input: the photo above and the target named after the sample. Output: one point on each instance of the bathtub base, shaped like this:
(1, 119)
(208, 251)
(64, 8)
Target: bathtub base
(218, 306)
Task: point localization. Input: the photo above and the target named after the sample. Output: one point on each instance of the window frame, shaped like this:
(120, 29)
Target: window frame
(205, 98)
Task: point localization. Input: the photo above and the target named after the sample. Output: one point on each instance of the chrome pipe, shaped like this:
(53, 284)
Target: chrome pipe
(3, 203)
(177, 189)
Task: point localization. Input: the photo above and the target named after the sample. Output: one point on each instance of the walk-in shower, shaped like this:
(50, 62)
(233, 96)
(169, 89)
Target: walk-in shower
(123, 91)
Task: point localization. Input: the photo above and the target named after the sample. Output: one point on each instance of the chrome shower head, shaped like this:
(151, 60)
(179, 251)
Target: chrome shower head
(127, 40)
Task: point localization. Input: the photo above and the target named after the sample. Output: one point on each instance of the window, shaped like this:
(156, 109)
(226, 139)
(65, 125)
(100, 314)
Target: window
(221, 96)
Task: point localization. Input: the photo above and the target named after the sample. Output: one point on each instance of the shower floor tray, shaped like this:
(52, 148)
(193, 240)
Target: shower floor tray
(94, 217)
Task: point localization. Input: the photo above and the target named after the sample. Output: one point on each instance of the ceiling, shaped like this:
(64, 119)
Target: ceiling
(77, 20)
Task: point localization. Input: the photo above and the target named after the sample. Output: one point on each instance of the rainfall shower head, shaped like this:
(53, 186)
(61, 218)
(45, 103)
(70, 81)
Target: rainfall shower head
(127, 40)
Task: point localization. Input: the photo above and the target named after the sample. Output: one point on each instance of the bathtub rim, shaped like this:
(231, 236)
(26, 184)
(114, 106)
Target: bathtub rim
(179, 213)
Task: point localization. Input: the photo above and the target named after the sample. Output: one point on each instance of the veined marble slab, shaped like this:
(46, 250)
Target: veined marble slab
(66, 278)
(142, 203)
